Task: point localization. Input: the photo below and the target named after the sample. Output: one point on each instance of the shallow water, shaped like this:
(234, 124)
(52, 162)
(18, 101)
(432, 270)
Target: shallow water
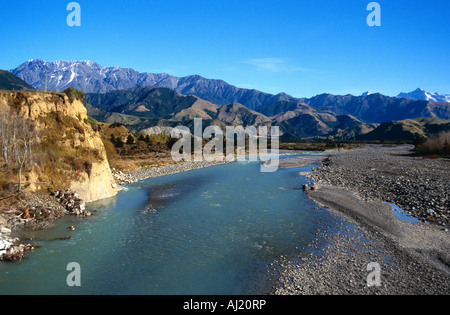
(402, 214)
(207, 231)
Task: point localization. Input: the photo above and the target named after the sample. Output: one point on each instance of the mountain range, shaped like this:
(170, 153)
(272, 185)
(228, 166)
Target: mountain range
(90, 77)
(143, 100)
(378, 108)
(420, 94)
(147, 107)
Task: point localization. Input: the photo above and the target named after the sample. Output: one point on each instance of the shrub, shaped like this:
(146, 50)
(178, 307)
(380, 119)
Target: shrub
(94, 124)
(130, 139)
(436, 144)
(88, 168)
(119, 143)
(74, 94)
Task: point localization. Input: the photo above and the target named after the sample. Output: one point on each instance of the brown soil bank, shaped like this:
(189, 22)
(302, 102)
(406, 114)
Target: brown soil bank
(68, 152)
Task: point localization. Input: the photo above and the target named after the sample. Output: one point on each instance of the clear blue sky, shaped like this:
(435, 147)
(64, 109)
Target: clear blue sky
(300, 47)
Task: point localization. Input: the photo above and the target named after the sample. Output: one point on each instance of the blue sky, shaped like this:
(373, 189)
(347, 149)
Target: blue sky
(301, 47)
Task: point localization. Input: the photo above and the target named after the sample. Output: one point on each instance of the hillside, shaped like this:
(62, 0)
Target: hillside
(68, 152)
(148, 102)
(302, 120)
(127, 151)
(144, 108)
(407, 130)
(8, 81)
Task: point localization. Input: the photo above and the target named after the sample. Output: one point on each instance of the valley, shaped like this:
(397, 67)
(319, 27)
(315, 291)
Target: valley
(109, 140)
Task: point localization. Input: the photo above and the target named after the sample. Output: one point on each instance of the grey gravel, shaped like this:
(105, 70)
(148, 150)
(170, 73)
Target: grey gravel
(414, 259)
(420, 186)
(143, 174)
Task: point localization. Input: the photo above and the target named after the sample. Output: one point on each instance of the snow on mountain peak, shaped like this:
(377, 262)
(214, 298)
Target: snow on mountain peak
(420, 94)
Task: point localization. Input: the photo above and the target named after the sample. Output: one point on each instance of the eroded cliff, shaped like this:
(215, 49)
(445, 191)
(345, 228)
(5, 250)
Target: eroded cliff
(69, 152)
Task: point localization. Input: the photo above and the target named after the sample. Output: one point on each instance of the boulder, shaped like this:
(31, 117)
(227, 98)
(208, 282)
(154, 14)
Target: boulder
(71, 202)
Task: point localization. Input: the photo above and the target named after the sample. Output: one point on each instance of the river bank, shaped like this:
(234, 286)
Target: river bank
(413, 258)
(33, 211)
(124, 178)
(38, 211)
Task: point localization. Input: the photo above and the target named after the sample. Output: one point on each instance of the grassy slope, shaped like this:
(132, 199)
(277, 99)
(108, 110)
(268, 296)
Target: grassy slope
(408, 130)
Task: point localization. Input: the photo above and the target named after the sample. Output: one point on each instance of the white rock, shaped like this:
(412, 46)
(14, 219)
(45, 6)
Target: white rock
(5, 230)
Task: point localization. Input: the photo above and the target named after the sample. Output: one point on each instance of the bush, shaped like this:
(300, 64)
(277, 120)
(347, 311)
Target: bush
(130, 139)
(436, 144)
(94, 124)
(74, 94)
(118, 143)
(418, 140)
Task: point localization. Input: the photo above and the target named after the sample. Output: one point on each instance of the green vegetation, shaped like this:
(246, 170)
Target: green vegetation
(130, 140)
(127, 151)
(94, 124)
(74, 94)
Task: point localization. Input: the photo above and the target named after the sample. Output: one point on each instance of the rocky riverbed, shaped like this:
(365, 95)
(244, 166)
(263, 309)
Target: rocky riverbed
(418, 185)
(142, 174)
(411, 258)
(124, 178)
(35, 211)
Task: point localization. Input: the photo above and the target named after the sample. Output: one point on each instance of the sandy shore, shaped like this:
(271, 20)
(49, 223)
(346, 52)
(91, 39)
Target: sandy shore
(413, 258)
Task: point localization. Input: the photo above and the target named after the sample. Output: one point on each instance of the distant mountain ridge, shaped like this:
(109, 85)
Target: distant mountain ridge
(93, 78)
(147, 107)
(420, 94)
(378, 108)
(8, 81)
(125, 95)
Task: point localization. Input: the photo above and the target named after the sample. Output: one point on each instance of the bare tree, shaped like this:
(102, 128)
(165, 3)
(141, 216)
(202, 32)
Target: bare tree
(26, 135)
(5, 138)
(17, 136)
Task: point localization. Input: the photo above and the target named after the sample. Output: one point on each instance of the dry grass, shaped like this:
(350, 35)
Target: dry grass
(318, 145)
(436, 144)
(143, 152)
(63, 154)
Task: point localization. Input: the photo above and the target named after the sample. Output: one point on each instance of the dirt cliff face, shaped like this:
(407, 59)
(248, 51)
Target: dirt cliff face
(69, 152)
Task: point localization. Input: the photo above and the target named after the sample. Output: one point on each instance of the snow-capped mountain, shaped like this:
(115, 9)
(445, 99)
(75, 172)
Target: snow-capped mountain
(93, 78)
(86, 75)
(420, 94)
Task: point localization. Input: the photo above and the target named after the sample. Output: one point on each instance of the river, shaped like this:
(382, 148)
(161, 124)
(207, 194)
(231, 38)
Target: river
(213, 231)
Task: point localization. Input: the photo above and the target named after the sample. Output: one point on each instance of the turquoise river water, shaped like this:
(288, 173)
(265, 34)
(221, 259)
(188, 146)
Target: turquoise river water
(208, 231)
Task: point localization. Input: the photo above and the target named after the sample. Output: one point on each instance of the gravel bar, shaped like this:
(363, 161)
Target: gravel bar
(355, 185)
